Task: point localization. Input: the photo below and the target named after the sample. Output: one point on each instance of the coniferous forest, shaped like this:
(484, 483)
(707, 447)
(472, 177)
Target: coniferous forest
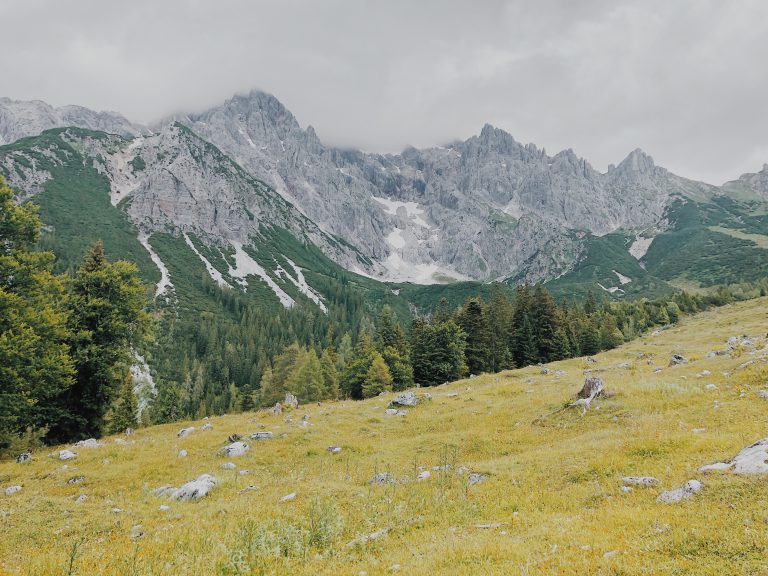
(68, 342)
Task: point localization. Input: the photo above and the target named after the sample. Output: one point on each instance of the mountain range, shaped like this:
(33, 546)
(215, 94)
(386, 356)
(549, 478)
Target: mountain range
(259, 201)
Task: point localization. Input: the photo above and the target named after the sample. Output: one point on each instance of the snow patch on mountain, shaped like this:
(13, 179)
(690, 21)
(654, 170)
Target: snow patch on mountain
(165, 278)
(612, 289)
(214, 274)
(395, 239)
(622, 279)
(301, 283)
(639, 247)
(413, 212)
(246, 266)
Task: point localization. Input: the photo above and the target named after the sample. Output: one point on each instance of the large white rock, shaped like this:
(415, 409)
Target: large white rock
(685, 492)
(195, 489)
(90, 443)
(235, 449)
(66, 455)
(751, 460)
(12, 490)
(185, 432)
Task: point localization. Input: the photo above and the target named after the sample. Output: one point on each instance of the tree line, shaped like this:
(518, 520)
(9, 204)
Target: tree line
(66, 342)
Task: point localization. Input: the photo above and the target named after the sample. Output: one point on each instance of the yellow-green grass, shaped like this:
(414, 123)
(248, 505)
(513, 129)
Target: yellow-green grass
(553, 479)
(760, 240)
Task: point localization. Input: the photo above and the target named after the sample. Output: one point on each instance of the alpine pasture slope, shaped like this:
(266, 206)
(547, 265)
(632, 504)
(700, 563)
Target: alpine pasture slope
(552, 502)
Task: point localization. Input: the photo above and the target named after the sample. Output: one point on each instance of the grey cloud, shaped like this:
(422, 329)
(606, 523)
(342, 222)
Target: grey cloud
(684, 80)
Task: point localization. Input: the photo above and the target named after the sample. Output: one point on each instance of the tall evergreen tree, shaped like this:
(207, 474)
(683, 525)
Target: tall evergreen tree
(377, 379)
(125, 408)
(500, 312)
(35, 366)
(545, 321)
(473, 320)
(356, 370)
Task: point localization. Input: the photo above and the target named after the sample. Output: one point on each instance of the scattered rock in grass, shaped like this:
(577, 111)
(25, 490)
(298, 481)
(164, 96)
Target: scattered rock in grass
(372, 536)
(590, 360)
(643, 481)
(545, 370)
(491, 526)
(593, 387)
(716, 467)
(381, 478)
(76, 480)
(65, 455)
(185, 432)
(405, 399)
(711, 387)
(182, 454)
(206, 426)
(625, 489)
(394, 412)
(334, 449)
(751, 460)
(122, 442)
(90, 443)
(105, 462)
(24, 457)
(698, 430)
(451, 394)
(685, 492)
(288, 497)
(243, 472)
(262, 435)
(250, 488)
(656, 370)
(610, 553)
(234, 438)
(11, 490)
(763, 393)
(81, 498)
(703, 373)
(164, 507)
(423, 475)
(476, 478)
(677, 359)
(129, 432)
(235, 449)
(291, 400)
(228, 466)
(137, 531)
(276, 410)
(116, 510)
(195, 489)
(623, 365)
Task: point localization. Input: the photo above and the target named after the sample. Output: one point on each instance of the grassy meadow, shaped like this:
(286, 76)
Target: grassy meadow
(551, 502)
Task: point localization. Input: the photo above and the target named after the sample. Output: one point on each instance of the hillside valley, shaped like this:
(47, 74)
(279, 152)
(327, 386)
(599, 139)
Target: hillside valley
(493, 474)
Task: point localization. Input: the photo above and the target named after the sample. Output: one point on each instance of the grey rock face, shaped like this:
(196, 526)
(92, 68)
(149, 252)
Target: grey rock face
(483, 208)
(19, 119)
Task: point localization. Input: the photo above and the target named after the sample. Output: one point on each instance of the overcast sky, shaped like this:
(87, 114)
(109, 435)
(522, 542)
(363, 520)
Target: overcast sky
(685, 80)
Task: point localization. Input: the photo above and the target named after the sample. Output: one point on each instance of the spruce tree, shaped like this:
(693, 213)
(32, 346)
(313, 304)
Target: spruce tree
(377, 379)
(545, 321)
(473, 320)
(357, 367)
(35, 365)
(500, 312)
(125, 409)
(107, 322)
(400, 368)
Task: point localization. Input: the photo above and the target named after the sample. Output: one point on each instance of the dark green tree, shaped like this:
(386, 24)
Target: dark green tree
(35, 365)
(472, 318)
(107, 322)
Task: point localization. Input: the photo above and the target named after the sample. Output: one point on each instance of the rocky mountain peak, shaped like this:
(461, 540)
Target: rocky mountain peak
(637, 161)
